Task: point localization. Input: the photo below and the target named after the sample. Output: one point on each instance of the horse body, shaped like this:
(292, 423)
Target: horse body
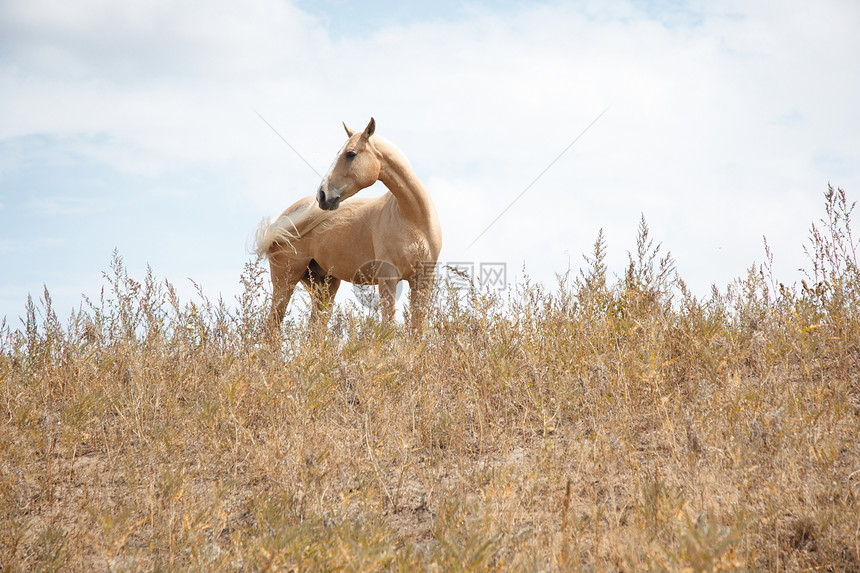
(324, 240)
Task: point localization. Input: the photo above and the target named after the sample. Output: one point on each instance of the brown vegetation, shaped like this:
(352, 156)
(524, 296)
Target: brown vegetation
(609, 425)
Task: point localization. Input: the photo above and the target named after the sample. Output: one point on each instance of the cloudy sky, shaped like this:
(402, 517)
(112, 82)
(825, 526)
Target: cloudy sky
(133, 126)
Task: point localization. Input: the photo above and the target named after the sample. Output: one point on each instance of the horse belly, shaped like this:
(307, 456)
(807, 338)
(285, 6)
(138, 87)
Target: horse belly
(343, 251)
(371, 241)
(363, 258)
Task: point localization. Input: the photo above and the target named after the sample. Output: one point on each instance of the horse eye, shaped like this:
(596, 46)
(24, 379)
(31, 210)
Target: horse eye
(351, 154)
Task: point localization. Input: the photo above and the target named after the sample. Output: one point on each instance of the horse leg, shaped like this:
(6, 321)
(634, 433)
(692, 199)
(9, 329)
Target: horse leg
(280, 299)
(387, 292)
(322, 289)
(326, 302)
(420, 286)
(284, 281)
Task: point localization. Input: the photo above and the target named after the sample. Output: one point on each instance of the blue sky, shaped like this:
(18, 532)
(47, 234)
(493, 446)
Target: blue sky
(132, 126)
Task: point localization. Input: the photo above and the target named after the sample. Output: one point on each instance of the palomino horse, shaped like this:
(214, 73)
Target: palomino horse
(379, 240)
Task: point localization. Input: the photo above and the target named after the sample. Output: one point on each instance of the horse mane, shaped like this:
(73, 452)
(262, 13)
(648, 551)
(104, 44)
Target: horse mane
(288, 227)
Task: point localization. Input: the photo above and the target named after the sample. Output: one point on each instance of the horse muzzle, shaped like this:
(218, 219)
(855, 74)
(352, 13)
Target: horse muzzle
(327, 202)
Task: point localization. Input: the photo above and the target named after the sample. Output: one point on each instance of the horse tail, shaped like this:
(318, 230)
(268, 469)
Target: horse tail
(271, 232)
(288, 228)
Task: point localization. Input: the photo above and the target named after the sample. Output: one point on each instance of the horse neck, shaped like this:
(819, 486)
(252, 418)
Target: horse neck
(397, 175)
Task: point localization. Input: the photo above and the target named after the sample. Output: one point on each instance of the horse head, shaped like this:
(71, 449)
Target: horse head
(356, 166)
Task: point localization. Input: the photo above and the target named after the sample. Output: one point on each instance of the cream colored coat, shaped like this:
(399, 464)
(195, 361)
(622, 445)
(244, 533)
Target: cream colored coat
(324, 240)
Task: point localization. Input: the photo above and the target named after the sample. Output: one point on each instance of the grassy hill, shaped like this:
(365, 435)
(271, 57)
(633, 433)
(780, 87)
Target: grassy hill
(605, 424)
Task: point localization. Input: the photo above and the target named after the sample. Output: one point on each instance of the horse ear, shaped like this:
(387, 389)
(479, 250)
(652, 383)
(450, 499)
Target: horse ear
(371, 127)
(349, 132)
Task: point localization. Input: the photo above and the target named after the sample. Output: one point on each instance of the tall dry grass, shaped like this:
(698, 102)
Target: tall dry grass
(605, 424)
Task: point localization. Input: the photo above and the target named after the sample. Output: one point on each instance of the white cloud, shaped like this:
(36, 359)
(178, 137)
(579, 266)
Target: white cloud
(66, 206)
(724, 123)
(148, 42)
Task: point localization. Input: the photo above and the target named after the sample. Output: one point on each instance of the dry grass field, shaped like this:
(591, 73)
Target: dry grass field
(607, 423)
